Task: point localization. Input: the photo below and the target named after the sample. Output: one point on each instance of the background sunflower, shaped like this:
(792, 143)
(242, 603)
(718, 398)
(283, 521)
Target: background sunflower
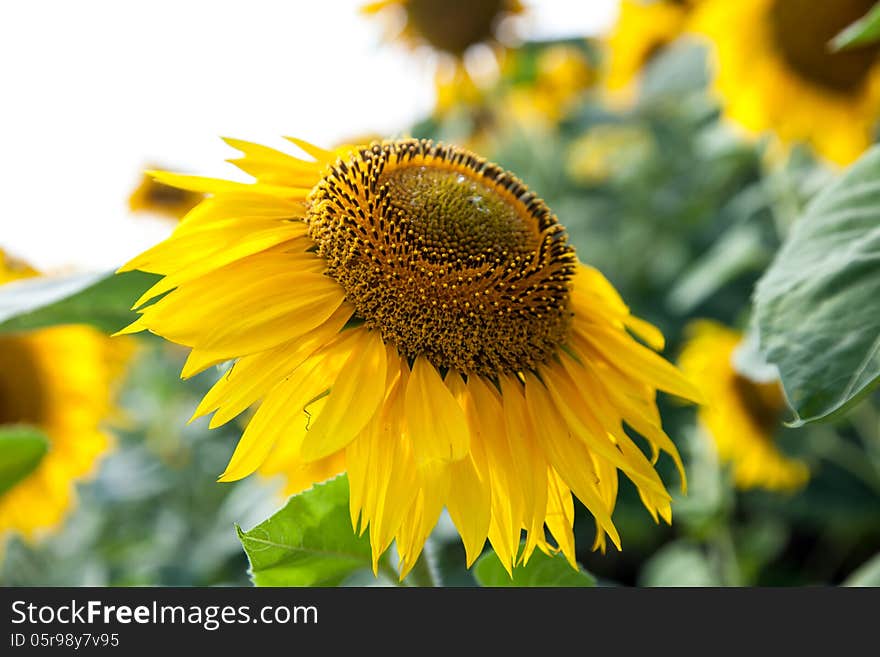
(452, 31)
(775, 70)
(60, 381)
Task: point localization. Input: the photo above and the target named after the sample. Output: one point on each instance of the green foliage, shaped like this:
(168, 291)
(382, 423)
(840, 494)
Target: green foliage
(541, 570)
(310, 542)
(863, 32)
(679, 564)
(868, 574)
(817, 307)
(100, 299)
(21, 450)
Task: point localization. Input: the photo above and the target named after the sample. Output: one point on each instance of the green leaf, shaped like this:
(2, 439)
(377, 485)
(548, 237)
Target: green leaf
(868, 574)
(748, 361)
(817, 307)
(21, 450)
(678, 564)
(309, 542)
(101, 299)
(738, 250)
(864, 31)
(541, 570)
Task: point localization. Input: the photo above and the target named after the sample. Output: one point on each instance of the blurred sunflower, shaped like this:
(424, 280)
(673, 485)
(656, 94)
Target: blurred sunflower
(642, 30)
(451, 29)
(152, 196)
(562, 74)
(741, 415)
(607, 150)
(60, 380)
(412, 314)
(775, 71)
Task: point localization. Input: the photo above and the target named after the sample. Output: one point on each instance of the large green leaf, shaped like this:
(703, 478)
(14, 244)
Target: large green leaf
(309, 542)
(864, 31)
(101, 299)
(541, 570)
(817, 308)
(21, 450)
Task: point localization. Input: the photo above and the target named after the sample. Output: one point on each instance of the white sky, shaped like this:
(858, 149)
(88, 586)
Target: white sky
(92, 91)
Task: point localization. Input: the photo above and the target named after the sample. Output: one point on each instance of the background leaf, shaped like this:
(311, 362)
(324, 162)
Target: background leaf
(21, 450)
(737, 250)
(541, 570)
(864, 31)
(101, 299)
(868, 574)
(817, 307)
(679, 564)
(309, 542)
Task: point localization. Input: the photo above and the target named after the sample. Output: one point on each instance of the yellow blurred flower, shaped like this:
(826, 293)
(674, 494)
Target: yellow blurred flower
(563, 73)
(607, 150)
(153, 197)
(775, 71)
(451, 29)
(59, 379)
(642, 30)
(741, 415)
(13, 269)
(412, 314)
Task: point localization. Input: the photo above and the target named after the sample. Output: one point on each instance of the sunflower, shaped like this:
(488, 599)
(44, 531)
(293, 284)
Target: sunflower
(154, 197)
(643, 29)
(741, 415)
(607, 150)
(562, 73)
(451, 29)
(412, 314)
(775, 71)
(60, 380)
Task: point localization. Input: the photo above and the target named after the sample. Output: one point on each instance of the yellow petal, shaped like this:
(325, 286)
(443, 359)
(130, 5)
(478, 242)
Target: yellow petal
(646, 331)
(205, 185)
(470, 506)
(253, 377)
(250, 243)
(315, 151)
(435, 421)
(263, 303)
(353, 399)
(274, 167)
(623, 352)
(284, 412)
(560, 515)
(507, 495)
(569, 457)
(529, 462)
(275, 417)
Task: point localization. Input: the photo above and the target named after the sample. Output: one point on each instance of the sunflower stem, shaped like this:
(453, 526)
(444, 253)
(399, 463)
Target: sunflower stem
(424, 572)
(730, 572)
(390, 574)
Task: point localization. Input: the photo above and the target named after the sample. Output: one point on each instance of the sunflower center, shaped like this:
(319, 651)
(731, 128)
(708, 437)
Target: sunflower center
(21, 398)
(802, 29)
(454, 25)
(449, 256)
(762, 402)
